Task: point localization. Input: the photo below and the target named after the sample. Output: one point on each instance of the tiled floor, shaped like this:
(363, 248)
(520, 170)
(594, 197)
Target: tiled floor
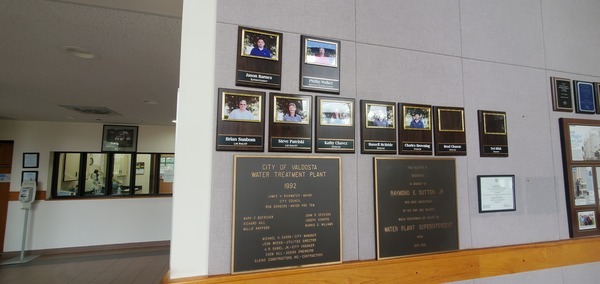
(120, 266)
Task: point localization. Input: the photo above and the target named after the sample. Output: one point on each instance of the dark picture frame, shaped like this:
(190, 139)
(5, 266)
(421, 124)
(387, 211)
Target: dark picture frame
(416, 117)
(119, 138)
(379, 115)
(283, 107)
(493, 133)
(494, 123)
(562, 94)
(231, 104)
(249, 42)
(496, 193)
(31, 160)
(314, 48)
(29, 175)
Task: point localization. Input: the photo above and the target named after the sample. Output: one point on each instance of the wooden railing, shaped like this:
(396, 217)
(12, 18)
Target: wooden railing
(432, 268)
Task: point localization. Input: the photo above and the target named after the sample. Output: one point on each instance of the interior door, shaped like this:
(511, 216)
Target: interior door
(6, 153)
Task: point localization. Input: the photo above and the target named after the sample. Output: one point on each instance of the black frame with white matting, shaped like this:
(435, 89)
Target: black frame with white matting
(496, 193)
(581, 171)
(378, 127)
(286, 212)
(320, 72)
(31, 160)
(415, 206)
(449, 131)
(258, 70)
(562, 94)
(290, 133)
(119, 138)
(493, 133)
(29, 175)
(334, 125)
(585, 99)
(415, 133)
(240, 132)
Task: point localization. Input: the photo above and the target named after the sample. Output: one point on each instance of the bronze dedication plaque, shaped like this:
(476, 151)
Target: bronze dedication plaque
(415, 206)
(287, 212)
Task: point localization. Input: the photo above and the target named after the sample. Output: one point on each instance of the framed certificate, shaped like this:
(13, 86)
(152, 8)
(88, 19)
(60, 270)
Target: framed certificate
(585, 100)
(31, 160)
(496, 193)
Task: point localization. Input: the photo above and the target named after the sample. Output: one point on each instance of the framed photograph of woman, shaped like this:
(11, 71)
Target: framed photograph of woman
(260, 44)
(380, 116)
(291, 110)
(416, 117)
(241, 107)
(336, 113)
(320, 52)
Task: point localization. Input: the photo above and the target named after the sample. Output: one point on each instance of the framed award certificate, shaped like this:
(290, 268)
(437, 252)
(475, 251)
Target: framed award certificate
(496, 193)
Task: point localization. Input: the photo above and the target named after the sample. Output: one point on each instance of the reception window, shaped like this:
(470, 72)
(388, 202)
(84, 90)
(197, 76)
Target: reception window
(90, 174)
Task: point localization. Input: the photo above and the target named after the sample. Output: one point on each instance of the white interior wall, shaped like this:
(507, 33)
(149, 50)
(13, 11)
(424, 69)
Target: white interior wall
(73, 223)
(490, 55)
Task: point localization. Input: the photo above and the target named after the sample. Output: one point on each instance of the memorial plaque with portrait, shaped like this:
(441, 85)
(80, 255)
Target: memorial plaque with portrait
(334, 125)
(585, 98)
(259, 58)
(581, 163)
(287, 212)
(320, 65)
(562, 96)
(415, 134)
(290, 124)
(415, 206)
(378, 127)
(493, 136)
(240, 120)
(449, 131)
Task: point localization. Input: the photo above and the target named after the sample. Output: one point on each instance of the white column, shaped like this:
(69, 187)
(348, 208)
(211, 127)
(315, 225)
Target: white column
(194, 140)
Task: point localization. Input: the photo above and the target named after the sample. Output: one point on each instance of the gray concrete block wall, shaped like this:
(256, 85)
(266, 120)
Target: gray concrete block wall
(490, 55)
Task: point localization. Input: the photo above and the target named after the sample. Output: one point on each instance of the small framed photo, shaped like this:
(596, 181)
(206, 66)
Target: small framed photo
(321, 52)
(119, 138)
(29, 176)
(380, 116)
(583, 186)
(416, 117)
(241, 107)
(336, 113)
(586, 220)
(494, 123)
(260, 44)
(291, 110)
(450, 119)
(140, 168)
(496, 193)
(31, 160)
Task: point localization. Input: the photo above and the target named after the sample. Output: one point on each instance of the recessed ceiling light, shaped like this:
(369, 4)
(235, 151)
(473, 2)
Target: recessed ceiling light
(149, 102)
(80, 52)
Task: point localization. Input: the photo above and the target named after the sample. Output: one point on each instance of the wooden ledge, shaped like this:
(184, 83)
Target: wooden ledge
(442, 267)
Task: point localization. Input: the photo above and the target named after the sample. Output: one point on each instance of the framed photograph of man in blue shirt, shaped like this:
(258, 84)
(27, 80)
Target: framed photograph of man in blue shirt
(260, 44)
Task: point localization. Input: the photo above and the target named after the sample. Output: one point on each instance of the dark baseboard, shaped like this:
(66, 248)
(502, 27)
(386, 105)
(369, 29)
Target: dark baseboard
(93, 249)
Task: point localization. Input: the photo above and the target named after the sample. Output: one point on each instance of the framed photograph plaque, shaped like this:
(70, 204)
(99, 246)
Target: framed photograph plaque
(290, 123)
(259, 58)
(119, 138)
(334, 125)
(378, 127)
(240, 123)
(496, 193)
(415, 134)
(493, 134)
(449, 131)
(320, 65)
